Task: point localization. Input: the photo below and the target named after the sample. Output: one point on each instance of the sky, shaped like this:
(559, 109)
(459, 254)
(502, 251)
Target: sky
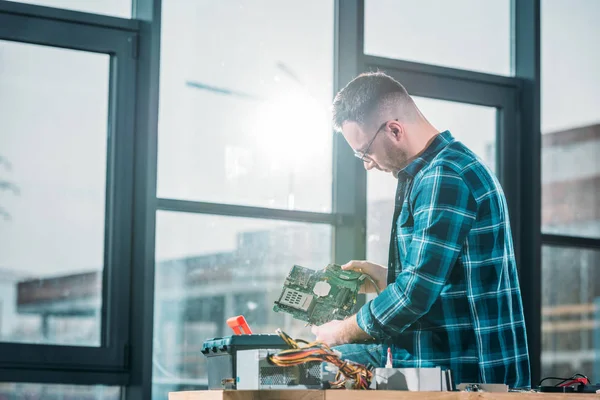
(267, 145)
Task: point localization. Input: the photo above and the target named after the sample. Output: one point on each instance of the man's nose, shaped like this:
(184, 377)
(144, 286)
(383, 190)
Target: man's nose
(368, 164)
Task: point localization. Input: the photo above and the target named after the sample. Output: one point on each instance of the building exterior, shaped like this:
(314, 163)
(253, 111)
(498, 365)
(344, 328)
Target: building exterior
(8, 301)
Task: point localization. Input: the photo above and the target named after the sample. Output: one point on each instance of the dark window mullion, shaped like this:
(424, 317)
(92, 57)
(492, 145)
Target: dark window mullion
(77, 17)
(570, 241)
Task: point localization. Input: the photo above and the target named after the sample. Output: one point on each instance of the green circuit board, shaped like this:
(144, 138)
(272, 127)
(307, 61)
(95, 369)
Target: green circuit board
(320, 296)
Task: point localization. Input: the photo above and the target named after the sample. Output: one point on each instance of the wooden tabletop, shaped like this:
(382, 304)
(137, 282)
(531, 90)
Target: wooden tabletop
(368, 394)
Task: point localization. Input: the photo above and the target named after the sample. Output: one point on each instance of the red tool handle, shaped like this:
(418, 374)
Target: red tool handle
(238, 322)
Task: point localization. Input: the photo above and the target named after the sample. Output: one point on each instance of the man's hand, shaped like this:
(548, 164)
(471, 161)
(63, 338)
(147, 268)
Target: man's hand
(375, 271)
(329, 333)
(337, 332)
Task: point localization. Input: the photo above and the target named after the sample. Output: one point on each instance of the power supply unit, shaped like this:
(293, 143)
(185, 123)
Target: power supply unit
(254, 372)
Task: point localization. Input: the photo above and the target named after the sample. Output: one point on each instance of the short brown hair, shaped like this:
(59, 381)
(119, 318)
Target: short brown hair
(365, 95)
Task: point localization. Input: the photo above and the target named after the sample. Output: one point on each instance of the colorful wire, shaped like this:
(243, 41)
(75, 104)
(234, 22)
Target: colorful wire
(349, 374)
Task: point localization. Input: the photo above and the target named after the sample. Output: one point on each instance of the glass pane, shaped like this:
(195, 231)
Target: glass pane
(54, 112)
(571, 317)
(210, 268)
(571, 118)
(465, 34)
(115, 8)
(473, 125)
(36, 391)
(245, 119)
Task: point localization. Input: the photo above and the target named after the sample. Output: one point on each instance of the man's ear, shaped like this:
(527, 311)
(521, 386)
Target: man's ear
(396, 129)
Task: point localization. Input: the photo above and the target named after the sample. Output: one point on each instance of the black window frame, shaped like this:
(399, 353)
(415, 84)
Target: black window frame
(128, 293)
(580, 242)
(107, 363)
(517, 100)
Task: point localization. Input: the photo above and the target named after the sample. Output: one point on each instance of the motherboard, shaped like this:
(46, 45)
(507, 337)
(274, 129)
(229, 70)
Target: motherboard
(320, 296)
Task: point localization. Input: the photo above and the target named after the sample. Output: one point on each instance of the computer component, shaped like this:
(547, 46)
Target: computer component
(348, 374)
(222, 356)
(581, 388)
(255, 372)
(320, 296)
(413, 379)
(577, 383)
(483, 387)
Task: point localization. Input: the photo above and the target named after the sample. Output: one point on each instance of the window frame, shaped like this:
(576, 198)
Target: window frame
(108, 363)
(128, 307)
(527, 31)
(517, 101)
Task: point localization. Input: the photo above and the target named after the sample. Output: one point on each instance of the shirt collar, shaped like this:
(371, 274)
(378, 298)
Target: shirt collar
(437, 144)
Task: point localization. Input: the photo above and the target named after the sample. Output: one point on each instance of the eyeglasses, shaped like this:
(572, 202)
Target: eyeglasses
(362, 154)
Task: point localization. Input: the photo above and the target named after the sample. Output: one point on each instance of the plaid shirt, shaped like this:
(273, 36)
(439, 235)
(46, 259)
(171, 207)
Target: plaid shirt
(453, 297)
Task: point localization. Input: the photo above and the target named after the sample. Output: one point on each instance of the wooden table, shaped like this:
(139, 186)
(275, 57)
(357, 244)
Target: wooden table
(368, 394)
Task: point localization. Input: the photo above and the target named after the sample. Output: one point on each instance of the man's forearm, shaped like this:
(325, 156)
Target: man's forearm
(351, 332)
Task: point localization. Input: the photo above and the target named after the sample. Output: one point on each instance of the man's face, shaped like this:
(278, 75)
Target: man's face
(380, 148)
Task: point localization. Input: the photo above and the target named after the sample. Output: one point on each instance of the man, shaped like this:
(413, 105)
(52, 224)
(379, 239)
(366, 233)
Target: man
(450, 296)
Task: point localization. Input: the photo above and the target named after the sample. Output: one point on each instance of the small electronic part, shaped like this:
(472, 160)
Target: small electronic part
(388, 363)
(483, 387)
(239, 325)
(295, 299)
(582, 388)
(413, 379)
(320, 296)
(577, 383)
(329, 373)
(322, 288)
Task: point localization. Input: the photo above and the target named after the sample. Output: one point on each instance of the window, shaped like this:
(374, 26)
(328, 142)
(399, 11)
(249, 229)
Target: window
(570, 318)
(54, 112)
(34, 391)
(210, 268)
(570, 94)
(571, 181)
(570, 118)
(116, 8)
(466, 34)
(245, 119)
(473, 125)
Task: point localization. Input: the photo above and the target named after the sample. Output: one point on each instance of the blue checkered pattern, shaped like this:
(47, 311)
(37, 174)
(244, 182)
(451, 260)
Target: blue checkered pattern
(453, 297)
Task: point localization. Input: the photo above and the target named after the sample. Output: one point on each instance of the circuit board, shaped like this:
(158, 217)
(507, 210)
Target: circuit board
(320, 296)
